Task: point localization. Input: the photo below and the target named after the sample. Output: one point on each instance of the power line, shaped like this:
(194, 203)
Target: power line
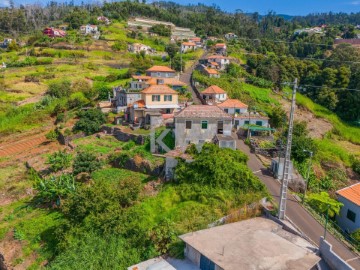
(283, 41)
(305, 58)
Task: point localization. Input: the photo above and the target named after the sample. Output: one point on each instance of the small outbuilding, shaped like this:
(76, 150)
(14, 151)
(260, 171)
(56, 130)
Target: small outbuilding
(257, 243)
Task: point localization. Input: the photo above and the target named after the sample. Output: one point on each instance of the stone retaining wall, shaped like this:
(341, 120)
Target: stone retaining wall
(123, 136)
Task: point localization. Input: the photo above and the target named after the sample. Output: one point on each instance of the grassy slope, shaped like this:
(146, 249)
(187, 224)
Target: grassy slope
(344, 130)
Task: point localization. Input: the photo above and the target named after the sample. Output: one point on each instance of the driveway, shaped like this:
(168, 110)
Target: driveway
(294, 211)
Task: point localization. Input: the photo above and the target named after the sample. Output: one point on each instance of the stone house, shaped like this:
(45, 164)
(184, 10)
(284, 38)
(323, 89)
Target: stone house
(161, 72)
(198, 124)
(213, 95)
(349, 216)
(188, 46)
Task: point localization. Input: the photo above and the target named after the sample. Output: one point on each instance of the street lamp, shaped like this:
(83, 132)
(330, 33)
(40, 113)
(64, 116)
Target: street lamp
(308, 173)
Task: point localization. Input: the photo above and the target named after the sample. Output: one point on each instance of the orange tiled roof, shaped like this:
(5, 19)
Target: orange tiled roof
(351, 193)
(220, 45)
(214, 63)
(217, 57)
(188, 44)
(158, 89)
(140, 104)
(202, 111)
(195, 39)
(167, 81)
(233, 103)
(214, 89)
(141, 77)
(211, 71)
(160, 69)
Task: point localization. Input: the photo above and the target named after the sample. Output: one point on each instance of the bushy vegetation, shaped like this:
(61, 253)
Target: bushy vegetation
(90, 121)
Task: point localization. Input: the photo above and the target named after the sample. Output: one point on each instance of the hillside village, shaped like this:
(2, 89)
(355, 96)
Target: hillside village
(147, 142)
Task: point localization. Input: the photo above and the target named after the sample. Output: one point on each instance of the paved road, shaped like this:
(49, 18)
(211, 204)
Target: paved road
(186, 78)
(295, 212)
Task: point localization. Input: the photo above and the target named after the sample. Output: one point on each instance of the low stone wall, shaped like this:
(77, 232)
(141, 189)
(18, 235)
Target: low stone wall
(137, 164)
(123, 136)
(67, 139)
(331, 258)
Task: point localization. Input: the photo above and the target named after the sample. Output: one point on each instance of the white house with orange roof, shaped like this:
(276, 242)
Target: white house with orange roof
(214, 94)
(220, 48)
(211, 73)
(349, 216)
(241, 115)
(89, 29)
(158, 102)
(197, 41)
(218, 61)
(188, 46)
(161, 71)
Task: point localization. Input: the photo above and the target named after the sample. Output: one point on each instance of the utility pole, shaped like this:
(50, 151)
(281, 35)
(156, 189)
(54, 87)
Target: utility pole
(286, 169)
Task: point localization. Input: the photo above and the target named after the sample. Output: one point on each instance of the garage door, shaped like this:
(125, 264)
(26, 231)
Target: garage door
(206, 264)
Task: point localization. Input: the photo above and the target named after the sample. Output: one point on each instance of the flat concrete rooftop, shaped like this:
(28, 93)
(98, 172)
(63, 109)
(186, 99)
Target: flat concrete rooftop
(253, 244)
(161, 263)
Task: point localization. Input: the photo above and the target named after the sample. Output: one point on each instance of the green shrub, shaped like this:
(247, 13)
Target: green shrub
(90, 121)
(86, 162)
(59, 89)
(59, 160)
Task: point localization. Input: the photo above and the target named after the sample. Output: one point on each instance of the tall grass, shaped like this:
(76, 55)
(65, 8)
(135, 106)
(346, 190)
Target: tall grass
(344, 130)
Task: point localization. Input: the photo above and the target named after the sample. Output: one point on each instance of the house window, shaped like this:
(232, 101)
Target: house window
(188, 142)
(226, 110)
(237, 110)
(259, 123)
(188, 124)
(247, 122)
(237, 123)
(204, 124)
(167, 97)
(155, 97)
(351, 215)
(220, 127)
(167, 111)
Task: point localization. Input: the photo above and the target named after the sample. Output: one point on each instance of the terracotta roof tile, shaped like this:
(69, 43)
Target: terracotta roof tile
(211, 71)
(214, 89)
(233, 103)
(158, 89)
(160, 69)
(188, 44)
(140, 104)
(351, 193)
(202, 111)
(195, 39)
(220, 45)
(140, 77)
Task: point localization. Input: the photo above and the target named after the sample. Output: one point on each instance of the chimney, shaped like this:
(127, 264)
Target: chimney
(160, 81)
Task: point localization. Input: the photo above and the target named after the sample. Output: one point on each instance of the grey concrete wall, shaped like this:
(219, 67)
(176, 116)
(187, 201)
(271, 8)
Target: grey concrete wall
(331, 258)
(183, 136)
(344, 222)
(192, 254)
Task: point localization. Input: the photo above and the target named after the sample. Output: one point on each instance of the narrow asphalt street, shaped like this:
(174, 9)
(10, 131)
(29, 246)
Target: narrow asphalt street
(185, 77)
(294, 211)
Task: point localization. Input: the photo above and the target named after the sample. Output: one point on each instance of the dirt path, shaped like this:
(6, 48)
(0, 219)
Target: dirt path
(317, 126)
